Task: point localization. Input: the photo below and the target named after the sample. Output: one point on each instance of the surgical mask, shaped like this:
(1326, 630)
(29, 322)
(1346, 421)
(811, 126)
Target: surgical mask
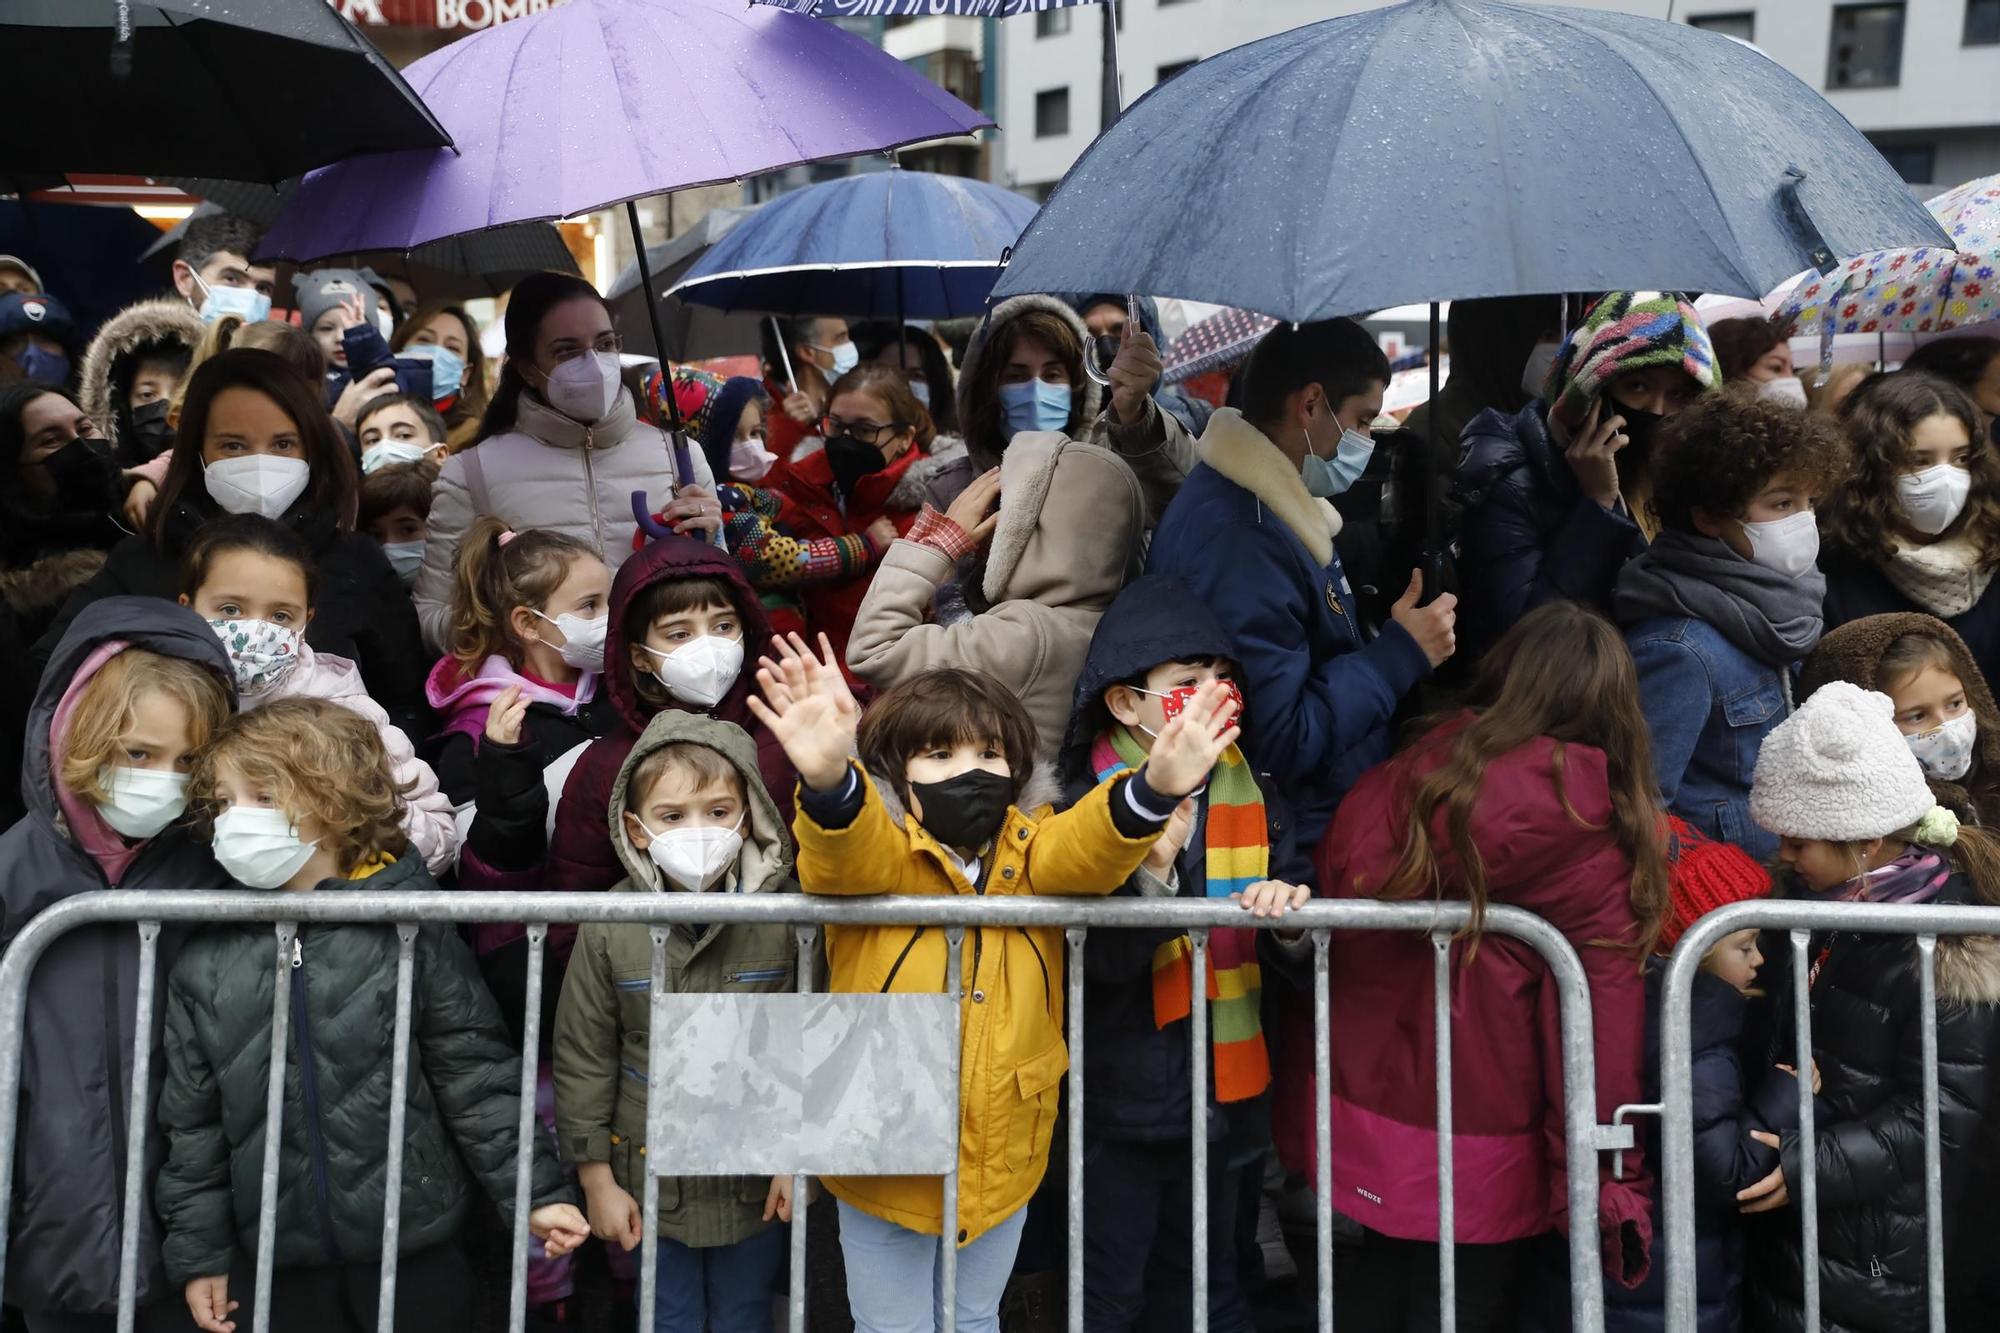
(922, 390)
(246, 303)
(447, 368)
(260, 848)
(139, 802)
(1035, 405)
(845, 357)
(392, 453)
(583, 388)
(965, 811)
(406, 558)
(1945, 751)
(700, 672)
(694, 858)
(42, 366)
(583, 640)
(1328, 477)
(1175, 701)
(749, 460)
(266, 484)
(1789, 545)
(1933, 499)
(1786, 391)
(151, 430)
(260, 653)
(851, 460)
(1535, 374)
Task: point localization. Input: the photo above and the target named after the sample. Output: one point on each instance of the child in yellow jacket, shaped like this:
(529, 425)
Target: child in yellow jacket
(947, 800)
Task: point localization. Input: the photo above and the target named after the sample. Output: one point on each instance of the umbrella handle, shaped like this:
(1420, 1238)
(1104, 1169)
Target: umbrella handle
(642, 514)
(1093, 366)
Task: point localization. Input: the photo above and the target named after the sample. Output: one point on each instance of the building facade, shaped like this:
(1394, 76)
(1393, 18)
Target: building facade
(1920, 77)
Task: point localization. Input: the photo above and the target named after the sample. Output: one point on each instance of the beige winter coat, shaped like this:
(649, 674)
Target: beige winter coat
(1071, 519)
(548, 472)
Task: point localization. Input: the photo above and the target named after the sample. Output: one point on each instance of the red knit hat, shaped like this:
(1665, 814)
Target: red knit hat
(1705, 875)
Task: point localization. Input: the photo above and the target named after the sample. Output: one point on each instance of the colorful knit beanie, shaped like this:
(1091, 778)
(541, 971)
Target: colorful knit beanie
(694, 393)
(1626, 331)
(1706, 875)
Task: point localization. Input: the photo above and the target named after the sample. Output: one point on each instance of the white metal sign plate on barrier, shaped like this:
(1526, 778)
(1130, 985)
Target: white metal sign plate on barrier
(819, 1084)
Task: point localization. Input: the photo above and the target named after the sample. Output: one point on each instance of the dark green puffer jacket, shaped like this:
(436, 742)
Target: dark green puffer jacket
(333, 1161)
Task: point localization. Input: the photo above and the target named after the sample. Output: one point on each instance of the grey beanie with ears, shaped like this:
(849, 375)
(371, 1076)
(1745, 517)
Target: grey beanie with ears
(322, 289)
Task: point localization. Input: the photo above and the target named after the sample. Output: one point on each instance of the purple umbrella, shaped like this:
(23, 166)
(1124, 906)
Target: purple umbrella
(598, 102)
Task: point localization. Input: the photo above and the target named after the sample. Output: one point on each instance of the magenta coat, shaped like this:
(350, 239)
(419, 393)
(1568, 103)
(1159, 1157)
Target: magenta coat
(1506, 1053)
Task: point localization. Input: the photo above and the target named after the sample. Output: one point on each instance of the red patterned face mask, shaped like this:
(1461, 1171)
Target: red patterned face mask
(1173, 702)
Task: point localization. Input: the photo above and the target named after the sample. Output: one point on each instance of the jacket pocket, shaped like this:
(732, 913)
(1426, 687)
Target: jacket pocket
(635, 1000)
(1039, 1082)
(1750, 714)
(764, 974)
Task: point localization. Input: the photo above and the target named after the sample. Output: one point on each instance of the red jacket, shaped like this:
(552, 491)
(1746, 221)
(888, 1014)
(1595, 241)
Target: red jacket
(1507, 1115)
(810, 507)
(580, 852)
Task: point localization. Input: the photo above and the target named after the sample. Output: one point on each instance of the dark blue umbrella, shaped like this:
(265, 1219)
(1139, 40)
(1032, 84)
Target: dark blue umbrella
(1459, 148)
(891, 243)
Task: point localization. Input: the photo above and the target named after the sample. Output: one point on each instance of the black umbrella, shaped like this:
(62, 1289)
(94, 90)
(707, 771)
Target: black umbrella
(458, 268)
(254, 90)
(693, 333)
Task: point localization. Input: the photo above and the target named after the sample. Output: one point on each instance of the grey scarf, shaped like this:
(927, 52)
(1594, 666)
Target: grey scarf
(1774, 619)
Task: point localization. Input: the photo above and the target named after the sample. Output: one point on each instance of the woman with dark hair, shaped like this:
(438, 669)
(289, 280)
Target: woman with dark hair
(1972, 363)
(1758, 353)
(448, 337)
(57, 503)
(1917, 525)
(255, 438)
(560, 447)
(920, 356)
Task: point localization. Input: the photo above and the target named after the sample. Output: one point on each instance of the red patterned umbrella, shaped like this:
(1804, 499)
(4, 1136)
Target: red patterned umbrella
(1220, 342)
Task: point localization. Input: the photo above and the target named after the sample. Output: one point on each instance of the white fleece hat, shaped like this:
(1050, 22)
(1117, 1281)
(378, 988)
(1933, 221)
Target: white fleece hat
(1839, 770)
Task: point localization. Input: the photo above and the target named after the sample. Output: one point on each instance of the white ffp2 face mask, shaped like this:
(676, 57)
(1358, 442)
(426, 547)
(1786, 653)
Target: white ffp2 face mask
(583, 388)
(583, 640)
(1789, 545)
(264, 484)
(1933, 499)
(260, 848)
(694, 858)
(701, 671)
(139, 802)
(1786, 390)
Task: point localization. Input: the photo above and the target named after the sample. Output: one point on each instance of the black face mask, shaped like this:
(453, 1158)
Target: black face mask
(84, 476)
(1640, 426)
(151, 435)
(965, 811)
(852, 460)
(1106, 346)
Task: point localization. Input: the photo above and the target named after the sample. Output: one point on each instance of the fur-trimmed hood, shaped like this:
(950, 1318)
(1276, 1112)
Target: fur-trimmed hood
(1246, 456)
(913, 488)
(47, 583)
(1089, 399)
(1968, 969)
(1070, 524)
(167, 324)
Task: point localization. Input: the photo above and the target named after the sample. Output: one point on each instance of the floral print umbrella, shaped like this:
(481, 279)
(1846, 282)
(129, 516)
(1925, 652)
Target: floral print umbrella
(1912, 291)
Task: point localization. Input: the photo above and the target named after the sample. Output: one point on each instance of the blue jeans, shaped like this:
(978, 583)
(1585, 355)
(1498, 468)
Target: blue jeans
(894, 1283)
(727, 1288)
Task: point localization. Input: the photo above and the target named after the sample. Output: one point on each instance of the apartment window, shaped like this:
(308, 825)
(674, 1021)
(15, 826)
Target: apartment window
(1916, 163)
(1165, 72)
(1741, 26)
(1052, 113)
(1051, 22)
(1982, 22)
(1867, 50)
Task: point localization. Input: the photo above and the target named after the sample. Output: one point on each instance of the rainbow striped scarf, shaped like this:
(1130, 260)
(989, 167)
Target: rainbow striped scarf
(1237, 848)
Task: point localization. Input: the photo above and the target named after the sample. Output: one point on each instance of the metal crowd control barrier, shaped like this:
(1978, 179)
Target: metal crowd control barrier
(147, 911)
(1801, 920)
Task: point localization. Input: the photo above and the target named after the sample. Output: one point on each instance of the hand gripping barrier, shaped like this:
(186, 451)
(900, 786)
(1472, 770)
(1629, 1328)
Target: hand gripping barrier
(1801, 920)
(148, 912)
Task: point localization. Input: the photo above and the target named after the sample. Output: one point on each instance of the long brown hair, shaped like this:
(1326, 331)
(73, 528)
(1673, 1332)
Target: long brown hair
(1561, 672)
(1864, 516)
(335, 481)
(983, 422)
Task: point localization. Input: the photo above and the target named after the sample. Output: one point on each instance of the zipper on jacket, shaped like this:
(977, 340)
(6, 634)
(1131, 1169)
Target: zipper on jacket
(897, 966)
(309, 1084)
(590, 484)
(1048, 991)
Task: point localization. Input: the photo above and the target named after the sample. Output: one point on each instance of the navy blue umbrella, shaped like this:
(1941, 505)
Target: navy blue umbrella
(1460, 148)
(889, 244)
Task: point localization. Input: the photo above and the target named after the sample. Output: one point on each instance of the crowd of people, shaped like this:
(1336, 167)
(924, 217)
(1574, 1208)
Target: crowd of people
(311, 603)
